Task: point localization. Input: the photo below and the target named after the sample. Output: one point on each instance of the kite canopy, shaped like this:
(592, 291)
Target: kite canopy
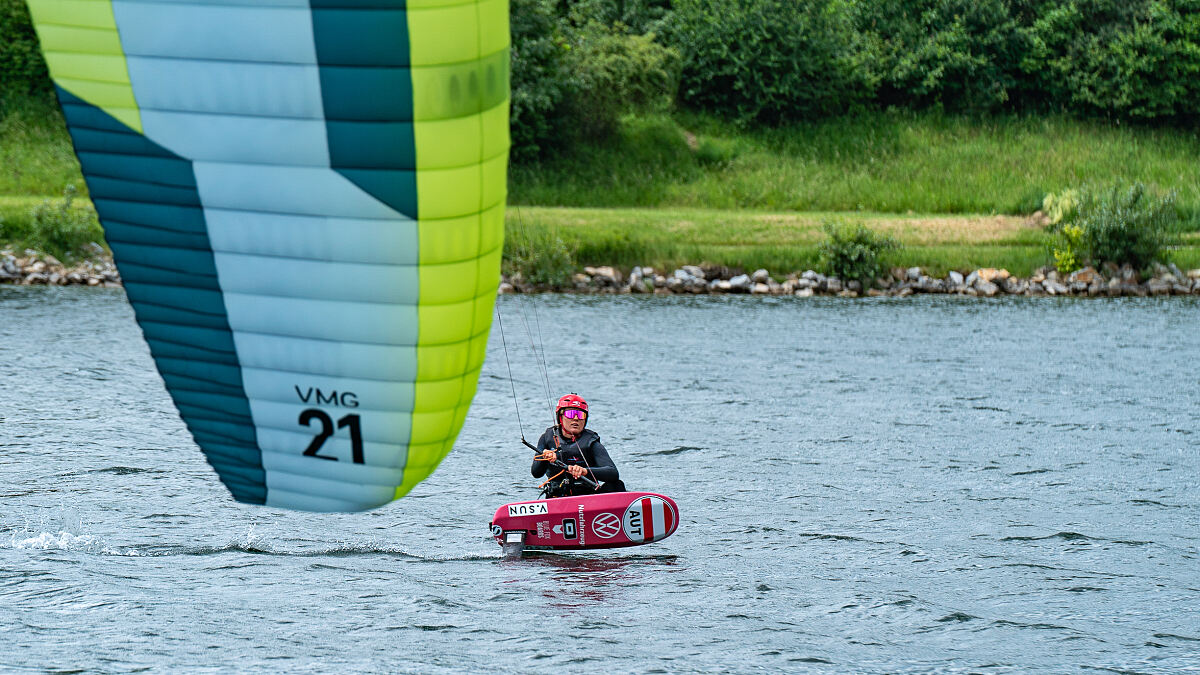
(305, 199)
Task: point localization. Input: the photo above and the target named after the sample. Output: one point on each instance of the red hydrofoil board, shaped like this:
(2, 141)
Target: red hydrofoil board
(608, 520)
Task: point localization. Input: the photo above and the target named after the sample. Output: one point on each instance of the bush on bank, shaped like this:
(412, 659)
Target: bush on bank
(618, 73)
(1126, 224)
(540, 76)
(537, 256)
(1127, 59)
(64, 228)
(955, 54)
(853, 252)
(1119, 224)
(1122, 59)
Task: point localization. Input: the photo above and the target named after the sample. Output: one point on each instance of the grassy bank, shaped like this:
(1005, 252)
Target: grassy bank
(560, 240)
(882, 162)
(779, 242)
(673, 190)
(885, 162)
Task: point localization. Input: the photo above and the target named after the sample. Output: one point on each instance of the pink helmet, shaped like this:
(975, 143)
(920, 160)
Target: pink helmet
(570, 401)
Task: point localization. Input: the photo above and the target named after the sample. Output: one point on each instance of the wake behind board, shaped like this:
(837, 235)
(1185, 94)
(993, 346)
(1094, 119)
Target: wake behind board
(610, 520)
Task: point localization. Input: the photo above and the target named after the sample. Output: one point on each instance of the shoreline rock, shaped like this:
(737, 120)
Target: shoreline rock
(986, 282)
(33, 268)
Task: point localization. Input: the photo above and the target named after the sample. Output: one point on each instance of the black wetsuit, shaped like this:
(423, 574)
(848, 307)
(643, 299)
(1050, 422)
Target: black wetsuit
(585, 451)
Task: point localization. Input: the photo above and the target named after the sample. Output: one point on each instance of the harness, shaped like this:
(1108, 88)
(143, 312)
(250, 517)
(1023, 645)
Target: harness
(553, 487)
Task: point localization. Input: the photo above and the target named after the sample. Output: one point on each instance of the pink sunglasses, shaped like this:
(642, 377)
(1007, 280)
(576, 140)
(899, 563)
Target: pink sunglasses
(574, 414)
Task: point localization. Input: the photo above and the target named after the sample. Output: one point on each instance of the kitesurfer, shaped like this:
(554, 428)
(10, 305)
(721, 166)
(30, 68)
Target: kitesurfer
(577, 447)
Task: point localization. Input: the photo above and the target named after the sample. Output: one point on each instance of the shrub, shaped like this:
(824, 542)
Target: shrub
(617, 73)
(769, 60)
(1060, 207)
(538, 256)
(1119, 224)
(1066, 249)
(63, 228)
(855, 252)
(1125, 224)
(715, 151)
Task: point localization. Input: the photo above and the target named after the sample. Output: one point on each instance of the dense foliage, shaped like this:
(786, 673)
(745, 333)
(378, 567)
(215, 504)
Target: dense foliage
(540, 77)
(22, 69)
(580, 65)
(617, 73)
(957, 54)
(578, 68)
(770, 60)
(1137, 59)
(782, 61)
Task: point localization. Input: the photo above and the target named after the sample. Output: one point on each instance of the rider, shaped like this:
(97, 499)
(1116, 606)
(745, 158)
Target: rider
(579, 449)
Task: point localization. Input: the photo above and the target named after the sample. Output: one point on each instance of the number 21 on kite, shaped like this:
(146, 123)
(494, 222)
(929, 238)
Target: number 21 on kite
(356, 444)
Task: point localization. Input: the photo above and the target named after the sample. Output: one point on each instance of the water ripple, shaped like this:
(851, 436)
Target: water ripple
(874, 487)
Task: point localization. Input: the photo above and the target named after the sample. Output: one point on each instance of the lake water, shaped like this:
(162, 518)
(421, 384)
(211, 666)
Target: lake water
(886, 485)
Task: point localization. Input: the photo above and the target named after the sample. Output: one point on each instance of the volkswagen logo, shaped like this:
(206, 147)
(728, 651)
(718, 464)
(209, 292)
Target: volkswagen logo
(606, 525)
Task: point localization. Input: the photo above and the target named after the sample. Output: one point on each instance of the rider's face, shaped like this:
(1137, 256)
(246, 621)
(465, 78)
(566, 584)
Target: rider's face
(573, 426)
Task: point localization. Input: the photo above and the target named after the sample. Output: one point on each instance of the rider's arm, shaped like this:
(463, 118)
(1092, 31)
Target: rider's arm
(603, 468)
(539, 467)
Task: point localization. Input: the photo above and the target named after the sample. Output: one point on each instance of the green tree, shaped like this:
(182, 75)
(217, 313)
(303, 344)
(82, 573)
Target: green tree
(638, 16)
(1134, 59)
(616, 73)
(958, 54)
(22, 68)
(770, 60)
(541, 77)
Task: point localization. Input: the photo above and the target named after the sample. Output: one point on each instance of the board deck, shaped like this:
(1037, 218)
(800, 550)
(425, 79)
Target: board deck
(610, 520)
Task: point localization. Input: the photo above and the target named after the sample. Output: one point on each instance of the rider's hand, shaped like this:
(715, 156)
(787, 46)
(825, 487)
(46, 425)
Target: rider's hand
(576, 471)
(550, 456)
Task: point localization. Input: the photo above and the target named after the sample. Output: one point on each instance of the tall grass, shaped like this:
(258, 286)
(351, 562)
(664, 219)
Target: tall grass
(16, 220)
(537, 254)
(887, 162)
(35, 151)
(891, 162)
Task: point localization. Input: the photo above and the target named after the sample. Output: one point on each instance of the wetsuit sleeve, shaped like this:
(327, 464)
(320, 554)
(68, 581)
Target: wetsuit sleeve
(603, 468)
(546, 441)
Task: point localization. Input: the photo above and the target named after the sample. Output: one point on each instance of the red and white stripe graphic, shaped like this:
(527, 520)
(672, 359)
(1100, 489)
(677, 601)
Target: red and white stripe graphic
(649, 519)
